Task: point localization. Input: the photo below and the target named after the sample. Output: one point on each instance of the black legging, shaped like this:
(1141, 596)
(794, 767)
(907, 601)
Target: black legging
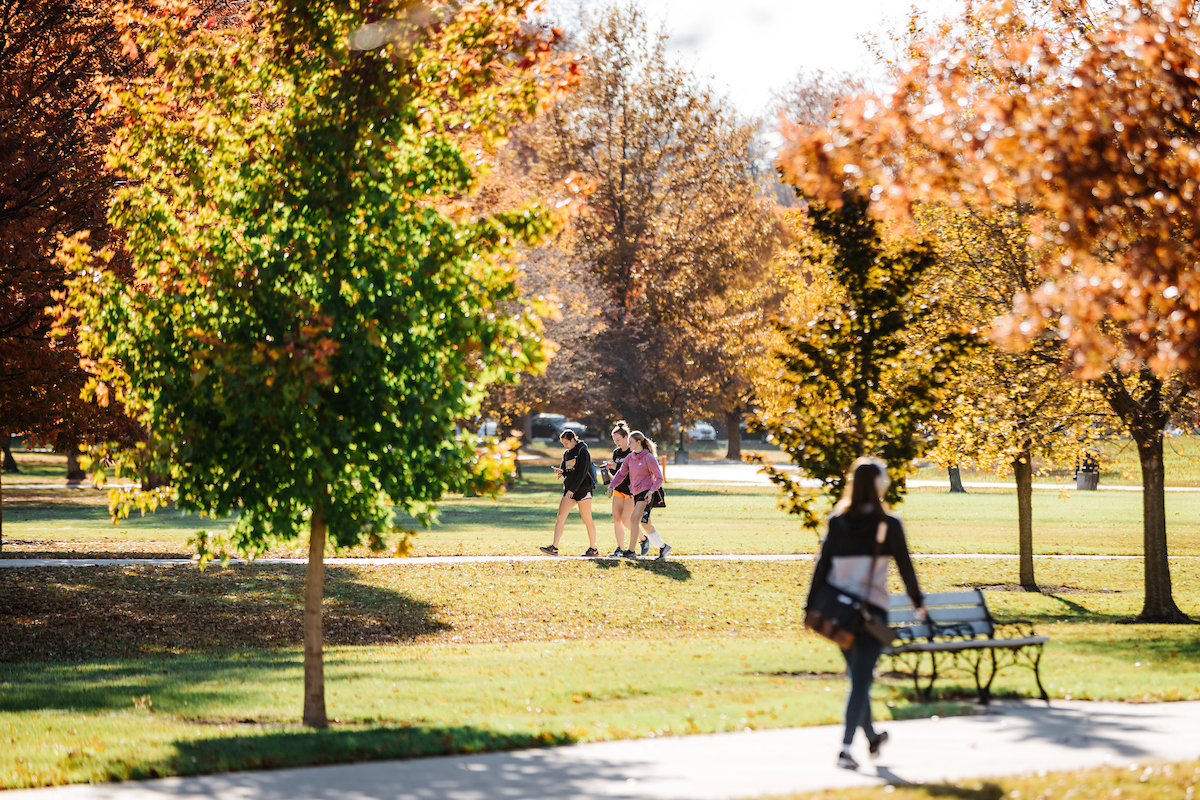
(860, 668)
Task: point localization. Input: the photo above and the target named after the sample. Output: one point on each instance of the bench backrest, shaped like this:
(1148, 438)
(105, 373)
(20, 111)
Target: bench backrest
(951, 615)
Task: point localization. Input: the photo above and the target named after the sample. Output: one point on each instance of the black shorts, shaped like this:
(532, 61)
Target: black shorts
(641, 496)
(582, 494)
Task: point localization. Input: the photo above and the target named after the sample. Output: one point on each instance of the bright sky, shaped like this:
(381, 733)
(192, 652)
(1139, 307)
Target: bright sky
(751, 47)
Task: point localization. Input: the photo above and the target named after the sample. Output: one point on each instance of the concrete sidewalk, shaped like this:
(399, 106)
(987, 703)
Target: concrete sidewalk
(1012, 738)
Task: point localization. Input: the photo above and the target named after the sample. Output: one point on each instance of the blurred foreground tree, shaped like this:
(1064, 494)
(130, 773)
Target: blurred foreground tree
(1095, 130)
(856, 382)
(313, 309)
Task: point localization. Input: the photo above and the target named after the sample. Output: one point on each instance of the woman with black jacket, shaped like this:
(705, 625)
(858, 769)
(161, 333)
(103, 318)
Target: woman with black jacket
(854, 560)
(579, 481)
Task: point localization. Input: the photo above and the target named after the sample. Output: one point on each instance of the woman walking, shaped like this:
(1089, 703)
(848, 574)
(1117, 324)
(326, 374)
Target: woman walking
(854, 558)
(621, 493)
(575, 471)
(645, 477)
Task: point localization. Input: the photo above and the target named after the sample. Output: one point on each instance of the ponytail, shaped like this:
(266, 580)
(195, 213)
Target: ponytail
(647, 443)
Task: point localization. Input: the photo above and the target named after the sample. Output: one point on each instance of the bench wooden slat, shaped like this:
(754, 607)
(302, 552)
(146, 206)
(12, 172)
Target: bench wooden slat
(971, 614)
(910, 632)
(966, 629)
(906, 616)
(974, 597)
(969, 644)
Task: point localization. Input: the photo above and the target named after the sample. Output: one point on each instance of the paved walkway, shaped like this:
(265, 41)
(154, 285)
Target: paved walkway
(1013, 738)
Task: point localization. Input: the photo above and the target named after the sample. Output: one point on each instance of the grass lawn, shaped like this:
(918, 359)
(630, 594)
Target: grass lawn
(131, 672)
(1119, 465)
(698, 519)
(1135, 782)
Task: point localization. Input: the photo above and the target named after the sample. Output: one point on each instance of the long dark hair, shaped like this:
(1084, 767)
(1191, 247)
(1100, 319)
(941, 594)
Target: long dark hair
(867, 479)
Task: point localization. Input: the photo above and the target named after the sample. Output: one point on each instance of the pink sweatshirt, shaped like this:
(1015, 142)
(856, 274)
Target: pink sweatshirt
(643, 471)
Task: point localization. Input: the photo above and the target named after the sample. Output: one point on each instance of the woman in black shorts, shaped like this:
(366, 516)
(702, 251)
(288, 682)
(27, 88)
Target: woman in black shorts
(579, 481)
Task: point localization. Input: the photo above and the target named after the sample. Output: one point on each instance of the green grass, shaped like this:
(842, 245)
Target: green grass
(698, 519)
(1119, 465)
(37, 468)
(133, 672)
(1135, 782)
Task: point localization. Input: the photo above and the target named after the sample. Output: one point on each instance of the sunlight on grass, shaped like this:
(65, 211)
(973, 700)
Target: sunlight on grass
(1135, 782)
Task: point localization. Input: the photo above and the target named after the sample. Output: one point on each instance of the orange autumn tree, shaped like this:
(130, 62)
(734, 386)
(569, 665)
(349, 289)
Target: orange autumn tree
(1086, 114)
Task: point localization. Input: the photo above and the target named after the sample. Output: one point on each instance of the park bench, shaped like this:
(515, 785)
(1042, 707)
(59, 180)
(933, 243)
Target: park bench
(960, 631)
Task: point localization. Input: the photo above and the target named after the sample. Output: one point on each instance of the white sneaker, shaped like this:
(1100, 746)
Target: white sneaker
(846, 761)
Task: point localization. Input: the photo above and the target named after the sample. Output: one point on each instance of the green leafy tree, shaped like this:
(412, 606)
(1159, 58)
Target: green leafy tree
(1004, 408)
(312, 309)
(857, 382)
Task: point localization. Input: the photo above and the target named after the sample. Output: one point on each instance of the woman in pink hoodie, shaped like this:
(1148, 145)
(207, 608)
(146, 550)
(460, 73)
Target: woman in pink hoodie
(645, 478)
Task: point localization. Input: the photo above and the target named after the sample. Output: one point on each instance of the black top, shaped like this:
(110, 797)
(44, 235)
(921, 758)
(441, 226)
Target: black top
(577, 470)
(854, 536)
(619, 457)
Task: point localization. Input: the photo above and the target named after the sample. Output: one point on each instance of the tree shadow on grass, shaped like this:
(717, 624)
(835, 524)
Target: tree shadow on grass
(166, 682)
(274, 749)
(62, 614)
(674, 570)
(986, 791)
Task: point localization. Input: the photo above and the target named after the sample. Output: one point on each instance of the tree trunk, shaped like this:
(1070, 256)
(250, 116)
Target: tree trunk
(314, 655)
(1146, 417)
(10, 463)
(1, 513)
(526, 429)
(956, 486)
(75, 473)
(1159, 605)
(733, 421)
(1023, 470)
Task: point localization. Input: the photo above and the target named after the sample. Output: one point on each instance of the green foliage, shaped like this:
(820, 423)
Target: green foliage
(858, 383)
(311, 311)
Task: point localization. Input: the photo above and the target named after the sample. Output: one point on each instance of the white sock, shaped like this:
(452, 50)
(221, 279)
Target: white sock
(655, 539)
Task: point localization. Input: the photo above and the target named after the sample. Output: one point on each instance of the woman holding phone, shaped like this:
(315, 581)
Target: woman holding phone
(645, 477)
(575, 471)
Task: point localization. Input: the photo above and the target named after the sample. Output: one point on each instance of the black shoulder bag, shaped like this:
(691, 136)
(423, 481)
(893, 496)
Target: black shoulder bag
(839, 615)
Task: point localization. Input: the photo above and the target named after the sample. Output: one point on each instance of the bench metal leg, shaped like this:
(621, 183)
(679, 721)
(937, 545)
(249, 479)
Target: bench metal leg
(984, 690)
(1037, 674)
(927, 695)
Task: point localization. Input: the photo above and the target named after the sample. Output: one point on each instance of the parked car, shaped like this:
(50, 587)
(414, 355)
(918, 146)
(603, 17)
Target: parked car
(702, 432)
(487, 428)
(748, 435)
(549, 426)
